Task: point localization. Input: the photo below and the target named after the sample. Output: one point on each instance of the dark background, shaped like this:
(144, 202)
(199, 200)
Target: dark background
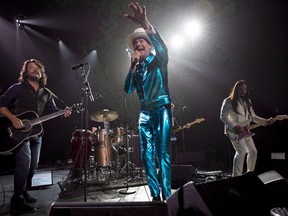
(244, 39)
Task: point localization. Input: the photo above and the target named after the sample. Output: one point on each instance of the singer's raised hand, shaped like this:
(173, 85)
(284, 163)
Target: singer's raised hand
(138, 15)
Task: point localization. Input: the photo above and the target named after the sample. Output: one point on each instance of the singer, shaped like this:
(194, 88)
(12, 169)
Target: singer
(148, 75)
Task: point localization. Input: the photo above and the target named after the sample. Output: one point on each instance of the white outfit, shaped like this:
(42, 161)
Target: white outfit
(245, 145)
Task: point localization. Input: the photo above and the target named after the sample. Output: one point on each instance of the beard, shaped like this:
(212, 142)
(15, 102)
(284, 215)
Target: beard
(33, 77)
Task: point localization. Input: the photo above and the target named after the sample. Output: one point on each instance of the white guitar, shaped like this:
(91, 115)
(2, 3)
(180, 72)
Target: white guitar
(247, 133)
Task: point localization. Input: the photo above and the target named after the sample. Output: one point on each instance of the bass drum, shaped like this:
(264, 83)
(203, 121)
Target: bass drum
(78, 143)
(102, 140)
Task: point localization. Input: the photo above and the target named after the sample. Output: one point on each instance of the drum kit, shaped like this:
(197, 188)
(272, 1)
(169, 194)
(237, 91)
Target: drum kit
(107, 150)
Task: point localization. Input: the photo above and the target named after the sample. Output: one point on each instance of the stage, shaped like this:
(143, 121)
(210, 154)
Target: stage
(105, 189)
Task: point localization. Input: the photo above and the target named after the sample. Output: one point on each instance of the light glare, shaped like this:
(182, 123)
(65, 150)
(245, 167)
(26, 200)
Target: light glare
(193, 29)
(177, 41)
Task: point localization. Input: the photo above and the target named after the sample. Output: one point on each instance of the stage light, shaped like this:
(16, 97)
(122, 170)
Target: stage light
(194, 29)
(19, 24)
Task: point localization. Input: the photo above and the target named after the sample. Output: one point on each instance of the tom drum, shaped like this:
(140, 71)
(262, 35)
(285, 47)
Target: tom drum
(102, 148)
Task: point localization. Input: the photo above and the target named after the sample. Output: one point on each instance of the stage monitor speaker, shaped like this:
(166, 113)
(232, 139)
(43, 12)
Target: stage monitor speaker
(237, 196)
(277, 186)
(108, 209)
(181, 174)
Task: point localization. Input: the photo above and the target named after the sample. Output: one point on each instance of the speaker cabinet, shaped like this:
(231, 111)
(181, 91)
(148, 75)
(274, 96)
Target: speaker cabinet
(108, 209)
(237, 196)
(135, 151)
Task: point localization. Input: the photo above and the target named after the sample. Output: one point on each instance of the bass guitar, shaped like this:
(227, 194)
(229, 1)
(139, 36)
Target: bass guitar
(248, 133)
(188, 125)
(12, 138)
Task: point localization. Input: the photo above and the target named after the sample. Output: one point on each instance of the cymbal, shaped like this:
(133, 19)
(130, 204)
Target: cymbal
(104, 116)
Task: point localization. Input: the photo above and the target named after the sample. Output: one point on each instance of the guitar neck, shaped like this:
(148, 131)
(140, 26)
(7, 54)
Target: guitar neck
(277, 118)
(177, 129)
(250, 127)
(187, 125)
(47, 117)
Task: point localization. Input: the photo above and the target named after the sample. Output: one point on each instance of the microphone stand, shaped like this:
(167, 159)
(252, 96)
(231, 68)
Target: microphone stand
(127, 153)
(89, 94)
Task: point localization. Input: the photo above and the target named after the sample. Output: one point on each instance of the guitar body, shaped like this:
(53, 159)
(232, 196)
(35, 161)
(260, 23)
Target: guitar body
(12, 138)
(240, 136)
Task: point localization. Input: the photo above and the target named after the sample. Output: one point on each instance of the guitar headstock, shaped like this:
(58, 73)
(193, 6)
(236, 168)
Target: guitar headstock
(196, 121)
(199, 120)
(78, 107)
(281, 117)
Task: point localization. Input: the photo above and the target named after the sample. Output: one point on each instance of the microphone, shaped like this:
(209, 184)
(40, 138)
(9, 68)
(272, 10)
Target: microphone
(134, 63)
(76, 66)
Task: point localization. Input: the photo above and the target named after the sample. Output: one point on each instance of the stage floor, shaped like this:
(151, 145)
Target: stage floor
(102, 185)
(64, 189)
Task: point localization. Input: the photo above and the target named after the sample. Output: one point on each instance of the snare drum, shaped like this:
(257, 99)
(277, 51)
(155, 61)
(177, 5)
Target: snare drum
(102, 148)
(78, 142)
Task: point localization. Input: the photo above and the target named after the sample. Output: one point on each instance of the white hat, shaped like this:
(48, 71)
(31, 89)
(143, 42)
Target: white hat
(138, 33)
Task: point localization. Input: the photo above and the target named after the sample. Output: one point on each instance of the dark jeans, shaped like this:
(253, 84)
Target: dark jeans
(27, 159)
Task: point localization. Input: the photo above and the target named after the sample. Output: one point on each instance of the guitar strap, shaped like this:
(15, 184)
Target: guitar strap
(50, 92)
(40, 92)
(54, 95)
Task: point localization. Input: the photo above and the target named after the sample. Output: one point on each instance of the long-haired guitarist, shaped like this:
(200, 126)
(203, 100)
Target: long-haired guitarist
(237, 113)
(29, 94)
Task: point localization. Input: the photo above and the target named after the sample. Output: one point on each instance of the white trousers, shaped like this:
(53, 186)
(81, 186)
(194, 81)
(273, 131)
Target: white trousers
(243, 147)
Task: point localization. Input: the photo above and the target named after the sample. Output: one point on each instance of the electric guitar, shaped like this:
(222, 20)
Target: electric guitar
(188, 125)
(12, 138)
(247, 133)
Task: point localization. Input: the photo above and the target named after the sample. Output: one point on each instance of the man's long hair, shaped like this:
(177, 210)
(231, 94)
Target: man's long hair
(23, 73)
(234, 96)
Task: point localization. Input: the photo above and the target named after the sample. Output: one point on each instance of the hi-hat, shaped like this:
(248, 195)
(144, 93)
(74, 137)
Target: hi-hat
(104, 116)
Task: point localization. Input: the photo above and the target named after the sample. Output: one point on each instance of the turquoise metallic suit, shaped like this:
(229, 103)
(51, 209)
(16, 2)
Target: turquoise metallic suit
(155, 120)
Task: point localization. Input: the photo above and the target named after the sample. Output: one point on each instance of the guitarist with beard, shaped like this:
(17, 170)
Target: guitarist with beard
(237, 113)
(29, 94)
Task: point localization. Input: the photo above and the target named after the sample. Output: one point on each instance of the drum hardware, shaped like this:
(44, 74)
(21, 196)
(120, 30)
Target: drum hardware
(127, 165)
(118, 136)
